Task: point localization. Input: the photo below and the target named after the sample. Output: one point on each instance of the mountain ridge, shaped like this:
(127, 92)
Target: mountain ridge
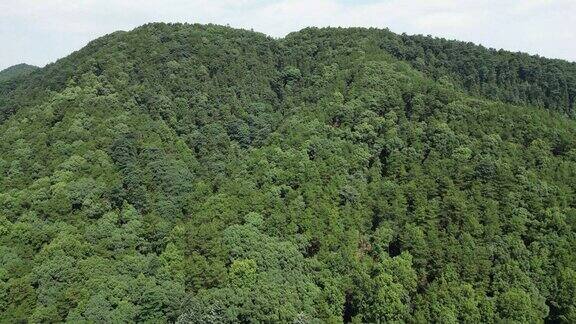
(550, 84)
(17, 70)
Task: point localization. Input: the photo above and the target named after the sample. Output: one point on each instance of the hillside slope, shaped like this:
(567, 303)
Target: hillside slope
(16, 71)
(199, 173)
(514, 78)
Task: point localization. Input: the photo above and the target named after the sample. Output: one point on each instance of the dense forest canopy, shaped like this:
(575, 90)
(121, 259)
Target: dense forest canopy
(204, 174)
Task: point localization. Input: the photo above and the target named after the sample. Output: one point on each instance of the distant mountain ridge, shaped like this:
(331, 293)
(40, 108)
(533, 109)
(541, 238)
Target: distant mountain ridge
(16, 71)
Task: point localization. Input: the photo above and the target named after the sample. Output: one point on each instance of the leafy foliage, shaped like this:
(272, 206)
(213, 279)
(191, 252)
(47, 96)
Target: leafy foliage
(198, 173)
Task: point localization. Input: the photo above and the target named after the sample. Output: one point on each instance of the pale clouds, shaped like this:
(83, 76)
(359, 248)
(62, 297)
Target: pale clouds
(41, 31)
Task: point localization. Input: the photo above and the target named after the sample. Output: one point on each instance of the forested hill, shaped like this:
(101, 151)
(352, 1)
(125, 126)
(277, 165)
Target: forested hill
(204, 174)
(16, 71)
(515, 78)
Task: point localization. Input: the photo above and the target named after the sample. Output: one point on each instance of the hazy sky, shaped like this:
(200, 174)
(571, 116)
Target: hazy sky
(41, 31)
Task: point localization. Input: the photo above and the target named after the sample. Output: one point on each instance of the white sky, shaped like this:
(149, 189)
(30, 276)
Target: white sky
(41, 31)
